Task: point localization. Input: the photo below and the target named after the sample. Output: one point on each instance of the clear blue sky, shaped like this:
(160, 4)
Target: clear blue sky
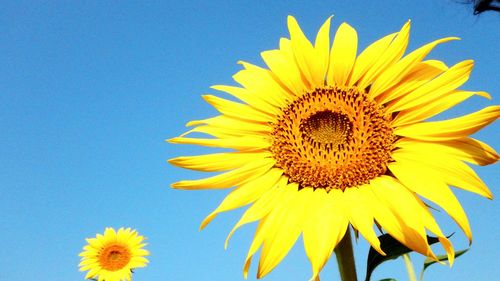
(89, 91)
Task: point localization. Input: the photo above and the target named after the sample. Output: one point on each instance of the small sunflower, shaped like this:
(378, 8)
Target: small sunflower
(112, 256)
(326, 138)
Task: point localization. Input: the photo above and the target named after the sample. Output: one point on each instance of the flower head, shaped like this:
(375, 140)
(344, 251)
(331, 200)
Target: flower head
(325, 138)
(112, 256)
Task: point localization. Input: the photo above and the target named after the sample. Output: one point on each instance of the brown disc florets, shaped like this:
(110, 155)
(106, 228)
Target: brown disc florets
(332, 137)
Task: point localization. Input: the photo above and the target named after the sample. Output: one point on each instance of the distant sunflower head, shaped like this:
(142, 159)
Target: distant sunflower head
(324, 138)
(112, 256)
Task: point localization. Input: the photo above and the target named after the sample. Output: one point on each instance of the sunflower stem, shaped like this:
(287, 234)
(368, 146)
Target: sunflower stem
(345, 258)
(409, 268)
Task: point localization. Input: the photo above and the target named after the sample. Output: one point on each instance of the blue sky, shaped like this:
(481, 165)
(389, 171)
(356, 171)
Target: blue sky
(90, 90)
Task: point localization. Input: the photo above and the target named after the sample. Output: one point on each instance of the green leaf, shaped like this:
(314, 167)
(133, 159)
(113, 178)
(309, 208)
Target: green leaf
(388, 279)
(392, 247)
(428, 261)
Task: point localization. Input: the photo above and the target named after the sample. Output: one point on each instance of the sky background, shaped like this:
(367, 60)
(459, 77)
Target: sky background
(89, 91)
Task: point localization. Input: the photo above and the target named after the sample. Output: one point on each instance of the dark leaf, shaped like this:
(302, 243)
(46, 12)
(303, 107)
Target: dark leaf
(428, 261)
(392, 247)
(388, 279)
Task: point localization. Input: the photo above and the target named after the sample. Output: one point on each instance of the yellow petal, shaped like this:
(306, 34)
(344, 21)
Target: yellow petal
(392, 54)
(141, 252)
(401, 218)
(369, 57)
(396, 72)
(434, 107)
(121, 235)
(421, 74)
(303, 51)
(217, 162)
(431, 187)
(284, 194)
(238, 110)
(322, 53)
(450, 129)
(259, 81)
(92, 273)
(109, 234)
(466, 149)
(360, 214)
(138, 262)
(88, 262)
(94, 242)
(284, 229)
(282, 65)
(246, 194)
(441, 85)
(219, 132)
(261, 208)
(235, 124)
(414, 211)
(473, 151)
(256, 243)
(238, 143)
(343, 55)
(235, 177)
(88, 253)
(258, 102)
(325, 226)
(452, 171)
(422, 212)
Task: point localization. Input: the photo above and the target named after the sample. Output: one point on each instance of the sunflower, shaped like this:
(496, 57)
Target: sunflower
(112, 256)
(325, 139)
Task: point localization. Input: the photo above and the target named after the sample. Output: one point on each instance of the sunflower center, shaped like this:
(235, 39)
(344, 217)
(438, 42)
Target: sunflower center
(326, 127)
(114, 257)
(332, 137)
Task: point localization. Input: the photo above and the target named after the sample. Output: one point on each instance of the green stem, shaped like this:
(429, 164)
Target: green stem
(409, 267)
(345, 258)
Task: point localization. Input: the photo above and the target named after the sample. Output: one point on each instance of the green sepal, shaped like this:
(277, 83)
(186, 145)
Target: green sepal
(428, 261)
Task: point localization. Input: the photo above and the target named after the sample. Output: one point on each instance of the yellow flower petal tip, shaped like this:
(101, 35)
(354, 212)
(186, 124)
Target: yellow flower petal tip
(172, 140)
(325, 139)
(207, 220)
(484, 95)
(114, 255)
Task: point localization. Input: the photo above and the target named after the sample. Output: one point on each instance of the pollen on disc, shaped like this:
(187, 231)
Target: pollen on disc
(332, 138)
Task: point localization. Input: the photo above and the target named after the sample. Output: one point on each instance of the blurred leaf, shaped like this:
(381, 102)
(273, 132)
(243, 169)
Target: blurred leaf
(393, 248)
(428, 261)
(388, 279)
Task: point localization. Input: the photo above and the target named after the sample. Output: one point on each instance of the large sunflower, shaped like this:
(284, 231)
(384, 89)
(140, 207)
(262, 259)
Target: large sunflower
(326, 138)
(112, 256)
